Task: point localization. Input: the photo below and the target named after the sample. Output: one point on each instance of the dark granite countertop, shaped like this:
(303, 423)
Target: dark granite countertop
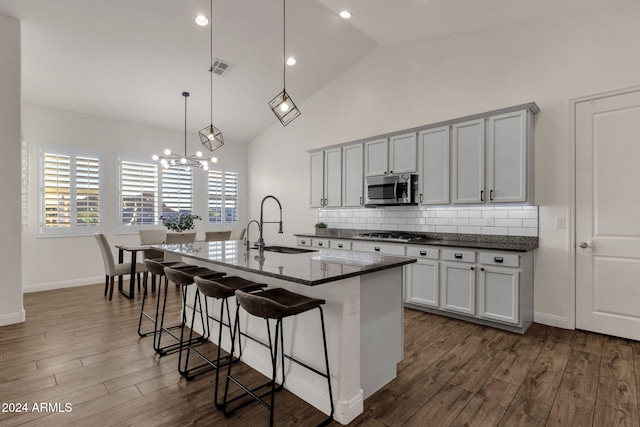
(310, 268)
(470, 241)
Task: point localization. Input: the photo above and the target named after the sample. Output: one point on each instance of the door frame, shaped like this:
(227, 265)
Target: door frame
(571, 317)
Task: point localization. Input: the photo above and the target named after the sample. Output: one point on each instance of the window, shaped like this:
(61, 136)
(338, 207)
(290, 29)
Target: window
(223, 197)
(138, 193)
(70, 191)
(177, 186)
(148, 191)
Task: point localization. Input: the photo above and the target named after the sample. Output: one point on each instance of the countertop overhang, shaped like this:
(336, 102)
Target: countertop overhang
(310, 268)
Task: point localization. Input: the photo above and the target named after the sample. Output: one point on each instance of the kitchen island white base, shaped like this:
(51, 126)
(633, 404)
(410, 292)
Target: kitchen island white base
(364, 324)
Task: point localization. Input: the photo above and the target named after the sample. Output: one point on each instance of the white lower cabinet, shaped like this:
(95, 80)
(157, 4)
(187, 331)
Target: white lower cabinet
(500, 294)
(423, 278)
(458, 287)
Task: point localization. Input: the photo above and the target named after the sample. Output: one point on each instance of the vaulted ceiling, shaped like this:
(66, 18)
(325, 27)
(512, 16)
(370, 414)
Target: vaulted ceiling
(132, 59)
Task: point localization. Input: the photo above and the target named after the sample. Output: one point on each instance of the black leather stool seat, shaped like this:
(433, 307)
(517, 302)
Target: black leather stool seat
(276, 303)
(225, 287)
(185, 277)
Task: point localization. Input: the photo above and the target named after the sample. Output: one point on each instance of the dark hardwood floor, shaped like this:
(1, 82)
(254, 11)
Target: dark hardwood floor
(78, 348)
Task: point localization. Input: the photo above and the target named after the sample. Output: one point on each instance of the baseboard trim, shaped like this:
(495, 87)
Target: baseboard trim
(38, 287)
(12, 318)
(551, 320)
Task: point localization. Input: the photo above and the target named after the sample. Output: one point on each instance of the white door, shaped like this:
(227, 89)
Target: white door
(608, 215)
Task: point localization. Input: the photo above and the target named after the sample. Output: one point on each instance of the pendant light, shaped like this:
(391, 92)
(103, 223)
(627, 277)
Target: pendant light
(170, 158)
(210, 136)
(282, 105)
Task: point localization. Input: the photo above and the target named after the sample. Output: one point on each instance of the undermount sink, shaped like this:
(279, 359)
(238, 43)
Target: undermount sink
(287, 250)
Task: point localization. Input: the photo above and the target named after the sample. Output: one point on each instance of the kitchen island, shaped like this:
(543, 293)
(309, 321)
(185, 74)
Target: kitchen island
(363, 317)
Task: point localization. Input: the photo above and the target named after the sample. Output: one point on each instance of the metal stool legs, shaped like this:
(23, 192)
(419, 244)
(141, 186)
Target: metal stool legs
(276, 344)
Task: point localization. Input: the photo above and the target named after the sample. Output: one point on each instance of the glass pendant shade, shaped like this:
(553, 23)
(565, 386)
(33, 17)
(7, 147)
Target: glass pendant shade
(284, 108)
(211, 137)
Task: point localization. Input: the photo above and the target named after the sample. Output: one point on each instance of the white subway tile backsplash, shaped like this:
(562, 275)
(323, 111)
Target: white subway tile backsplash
(500, 220)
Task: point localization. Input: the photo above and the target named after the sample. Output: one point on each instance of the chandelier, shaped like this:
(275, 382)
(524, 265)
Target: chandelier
(170, 158)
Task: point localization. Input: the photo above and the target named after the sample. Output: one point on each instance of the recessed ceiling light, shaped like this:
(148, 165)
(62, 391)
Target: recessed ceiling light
(202, 20)
(291, 61)
(345, 14)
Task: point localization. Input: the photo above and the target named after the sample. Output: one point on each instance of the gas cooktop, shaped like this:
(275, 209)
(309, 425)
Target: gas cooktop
(396, 237)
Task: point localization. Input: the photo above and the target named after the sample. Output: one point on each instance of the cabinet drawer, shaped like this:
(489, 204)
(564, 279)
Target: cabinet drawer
(303, 241)
(342, 245)
(507, 260)
(457, 255)
(379, 248)
(320, 243)
(423, 252)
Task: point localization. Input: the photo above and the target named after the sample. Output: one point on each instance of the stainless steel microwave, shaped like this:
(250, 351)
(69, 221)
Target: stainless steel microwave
(392, 190)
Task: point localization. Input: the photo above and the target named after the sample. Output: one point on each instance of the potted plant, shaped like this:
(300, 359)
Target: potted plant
(321, 228)
(180, 221)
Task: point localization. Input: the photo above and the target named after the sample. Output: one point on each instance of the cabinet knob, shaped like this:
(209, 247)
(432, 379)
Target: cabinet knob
(377, 249)
(319, 243)
(303, 241)
(482, 269)
(458, 256)
(498, 259)
(340, 245)
(472, 268)
(423, 253)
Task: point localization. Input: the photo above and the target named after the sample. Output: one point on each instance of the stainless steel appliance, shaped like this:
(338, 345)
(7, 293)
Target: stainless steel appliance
(392, 190)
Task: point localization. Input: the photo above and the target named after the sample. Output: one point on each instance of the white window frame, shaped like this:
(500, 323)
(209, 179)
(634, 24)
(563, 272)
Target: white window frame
(74, 229)
(224, 222)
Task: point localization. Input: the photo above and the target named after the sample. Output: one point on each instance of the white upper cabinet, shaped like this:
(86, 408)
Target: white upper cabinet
(353, 176)
(508, 158)
(402, 153)
(326, 178)
(468, 162)
(396, 154)
(376, 157)
(434, 149)
(316, 199)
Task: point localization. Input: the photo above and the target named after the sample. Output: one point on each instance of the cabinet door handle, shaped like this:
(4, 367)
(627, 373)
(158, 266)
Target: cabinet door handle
(482, 269)
(390, 171)
(423, 253)
(303, 241)
(361, 201)
(491, 195)
(321, 202)
(482, 195)
(319, 243)
(377, 249)
(458, 256)
(326, 202)
(340, 245)
(472, 268)
(420, 197)
(498, 259)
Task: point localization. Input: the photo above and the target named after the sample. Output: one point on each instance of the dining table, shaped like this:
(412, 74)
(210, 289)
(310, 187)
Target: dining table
(133, 249)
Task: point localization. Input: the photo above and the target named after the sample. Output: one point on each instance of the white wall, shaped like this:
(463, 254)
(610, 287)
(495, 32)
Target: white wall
(70, 261)
(395, 87)
(11, 310)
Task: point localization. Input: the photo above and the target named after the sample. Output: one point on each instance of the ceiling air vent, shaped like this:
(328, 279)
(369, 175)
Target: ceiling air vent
(221, 68)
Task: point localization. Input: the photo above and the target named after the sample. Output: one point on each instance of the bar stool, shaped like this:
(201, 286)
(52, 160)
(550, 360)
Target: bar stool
(182, 278)
(220, 288)
(156, 269)
(276, 303)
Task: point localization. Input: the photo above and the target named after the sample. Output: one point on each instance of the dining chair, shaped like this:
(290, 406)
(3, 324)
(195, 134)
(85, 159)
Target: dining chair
(153, 237)
(111, 268)
(216, 236)
(187, 237)
(237, 233)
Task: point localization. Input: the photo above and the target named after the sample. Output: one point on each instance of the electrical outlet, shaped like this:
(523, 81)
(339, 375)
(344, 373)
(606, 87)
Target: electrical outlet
(560, 222)
(488, 222)
(449, 221)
